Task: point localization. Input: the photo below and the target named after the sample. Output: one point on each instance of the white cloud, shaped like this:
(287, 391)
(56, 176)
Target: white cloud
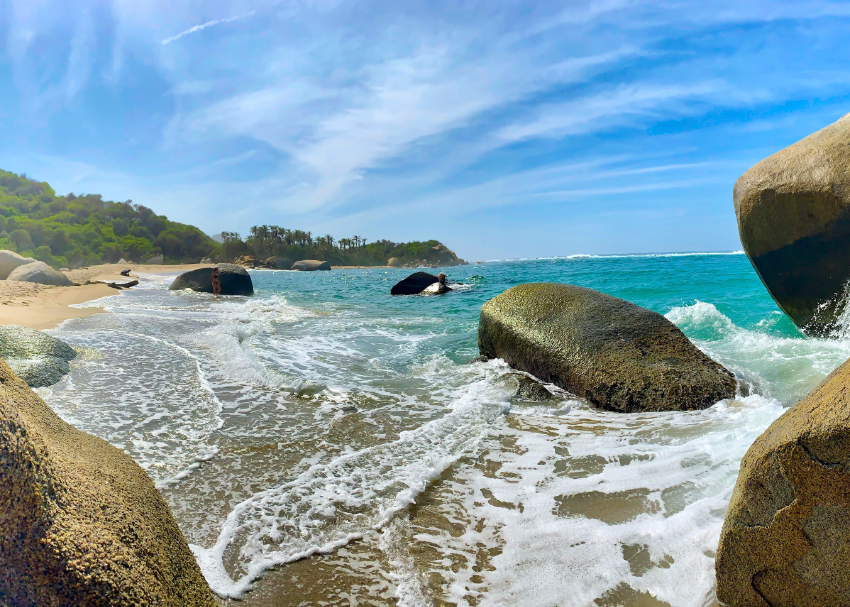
(203, 26)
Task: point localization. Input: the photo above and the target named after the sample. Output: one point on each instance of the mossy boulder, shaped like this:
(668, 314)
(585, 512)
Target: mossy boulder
(786, 537)
(37, 358)
(234, 279)
(793, 212)
(616, 355)
(82, 524)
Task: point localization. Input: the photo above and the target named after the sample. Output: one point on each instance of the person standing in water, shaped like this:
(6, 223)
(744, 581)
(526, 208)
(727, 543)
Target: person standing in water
(216, 283)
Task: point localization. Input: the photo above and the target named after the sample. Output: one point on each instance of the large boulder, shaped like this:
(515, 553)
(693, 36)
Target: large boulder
(613, 353)
(311, 265)
(82, 524)
(37, 358)
(786, 537)
(9, 260)
(414, 284)
(793, 213)
(156, 260)
(282, 263)
(40, 273)
(394, 262)
(235, 280)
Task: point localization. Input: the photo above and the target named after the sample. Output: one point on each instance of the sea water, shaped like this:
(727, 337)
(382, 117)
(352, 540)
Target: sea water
(325, 443)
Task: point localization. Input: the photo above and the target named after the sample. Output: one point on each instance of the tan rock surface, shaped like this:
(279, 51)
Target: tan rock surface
(82, 524)
(793, 212)
(786, 537)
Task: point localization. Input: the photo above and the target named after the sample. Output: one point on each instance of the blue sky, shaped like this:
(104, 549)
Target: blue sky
(504, 129)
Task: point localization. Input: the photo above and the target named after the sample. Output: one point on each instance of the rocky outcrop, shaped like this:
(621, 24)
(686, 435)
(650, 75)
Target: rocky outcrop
(282, 263)
(617, 355)
(82, 524)
(414, 284)
(235, 280)
(793, 212)
(156, 260)
(311, 265)
(40, 273)
(9, 260)
(394, 262)
(786, 536)
(37, 358)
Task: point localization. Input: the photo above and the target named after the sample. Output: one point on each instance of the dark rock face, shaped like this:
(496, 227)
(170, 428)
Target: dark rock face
(793, 212)
(786, 536)
(37, 358)
(311, 265)
(82, 524)
(235, 280)
(617, 355)
(414, 284)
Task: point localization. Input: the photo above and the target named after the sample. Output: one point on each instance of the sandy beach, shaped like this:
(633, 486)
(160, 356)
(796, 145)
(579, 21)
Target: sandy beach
(46, 307)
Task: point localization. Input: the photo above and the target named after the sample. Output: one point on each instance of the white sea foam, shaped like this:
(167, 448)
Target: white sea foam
(337, 418)
(331, 504)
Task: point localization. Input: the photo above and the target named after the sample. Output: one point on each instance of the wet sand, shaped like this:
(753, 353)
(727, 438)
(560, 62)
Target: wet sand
(46, 307)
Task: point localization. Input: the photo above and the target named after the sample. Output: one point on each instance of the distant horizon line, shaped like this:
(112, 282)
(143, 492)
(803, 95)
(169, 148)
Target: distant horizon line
(601, 255)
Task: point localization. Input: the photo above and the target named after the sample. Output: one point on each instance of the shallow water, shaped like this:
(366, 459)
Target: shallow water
(323, 418)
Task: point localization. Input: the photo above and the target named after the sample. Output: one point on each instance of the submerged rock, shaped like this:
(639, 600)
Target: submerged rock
(39, 273)
(82, 523)
(617, 355)
(793, 212)
(417, 283)
(527, 388)
(311, 265)
(235, 280)
(37, 358)
(786, 536)
(9, 260)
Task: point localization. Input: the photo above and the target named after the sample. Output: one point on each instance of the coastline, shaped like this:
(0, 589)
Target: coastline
(46, 307)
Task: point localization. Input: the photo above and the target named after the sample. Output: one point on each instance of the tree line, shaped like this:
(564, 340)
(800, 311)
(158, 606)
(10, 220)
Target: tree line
(267, 241)
(73, 231)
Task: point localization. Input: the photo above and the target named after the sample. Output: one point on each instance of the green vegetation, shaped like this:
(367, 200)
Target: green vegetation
(269, 241)
(73, 231)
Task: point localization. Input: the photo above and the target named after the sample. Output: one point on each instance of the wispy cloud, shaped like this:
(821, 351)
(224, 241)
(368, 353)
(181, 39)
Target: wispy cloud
(208, 24)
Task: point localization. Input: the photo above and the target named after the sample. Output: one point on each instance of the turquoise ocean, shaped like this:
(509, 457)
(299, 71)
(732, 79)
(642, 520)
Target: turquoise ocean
(323, 418)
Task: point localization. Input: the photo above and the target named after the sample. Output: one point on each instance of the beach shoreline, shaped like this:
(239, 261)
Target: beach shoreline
(46, 307)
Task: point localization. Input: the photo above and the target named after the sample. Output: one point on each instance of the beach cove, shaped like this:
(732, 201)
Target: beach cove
(323, 416)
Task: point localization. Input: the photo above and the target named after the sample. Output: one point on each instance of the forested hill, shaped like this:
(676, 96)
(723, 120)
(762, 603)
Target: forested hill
(274, 241)
(73, 231)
